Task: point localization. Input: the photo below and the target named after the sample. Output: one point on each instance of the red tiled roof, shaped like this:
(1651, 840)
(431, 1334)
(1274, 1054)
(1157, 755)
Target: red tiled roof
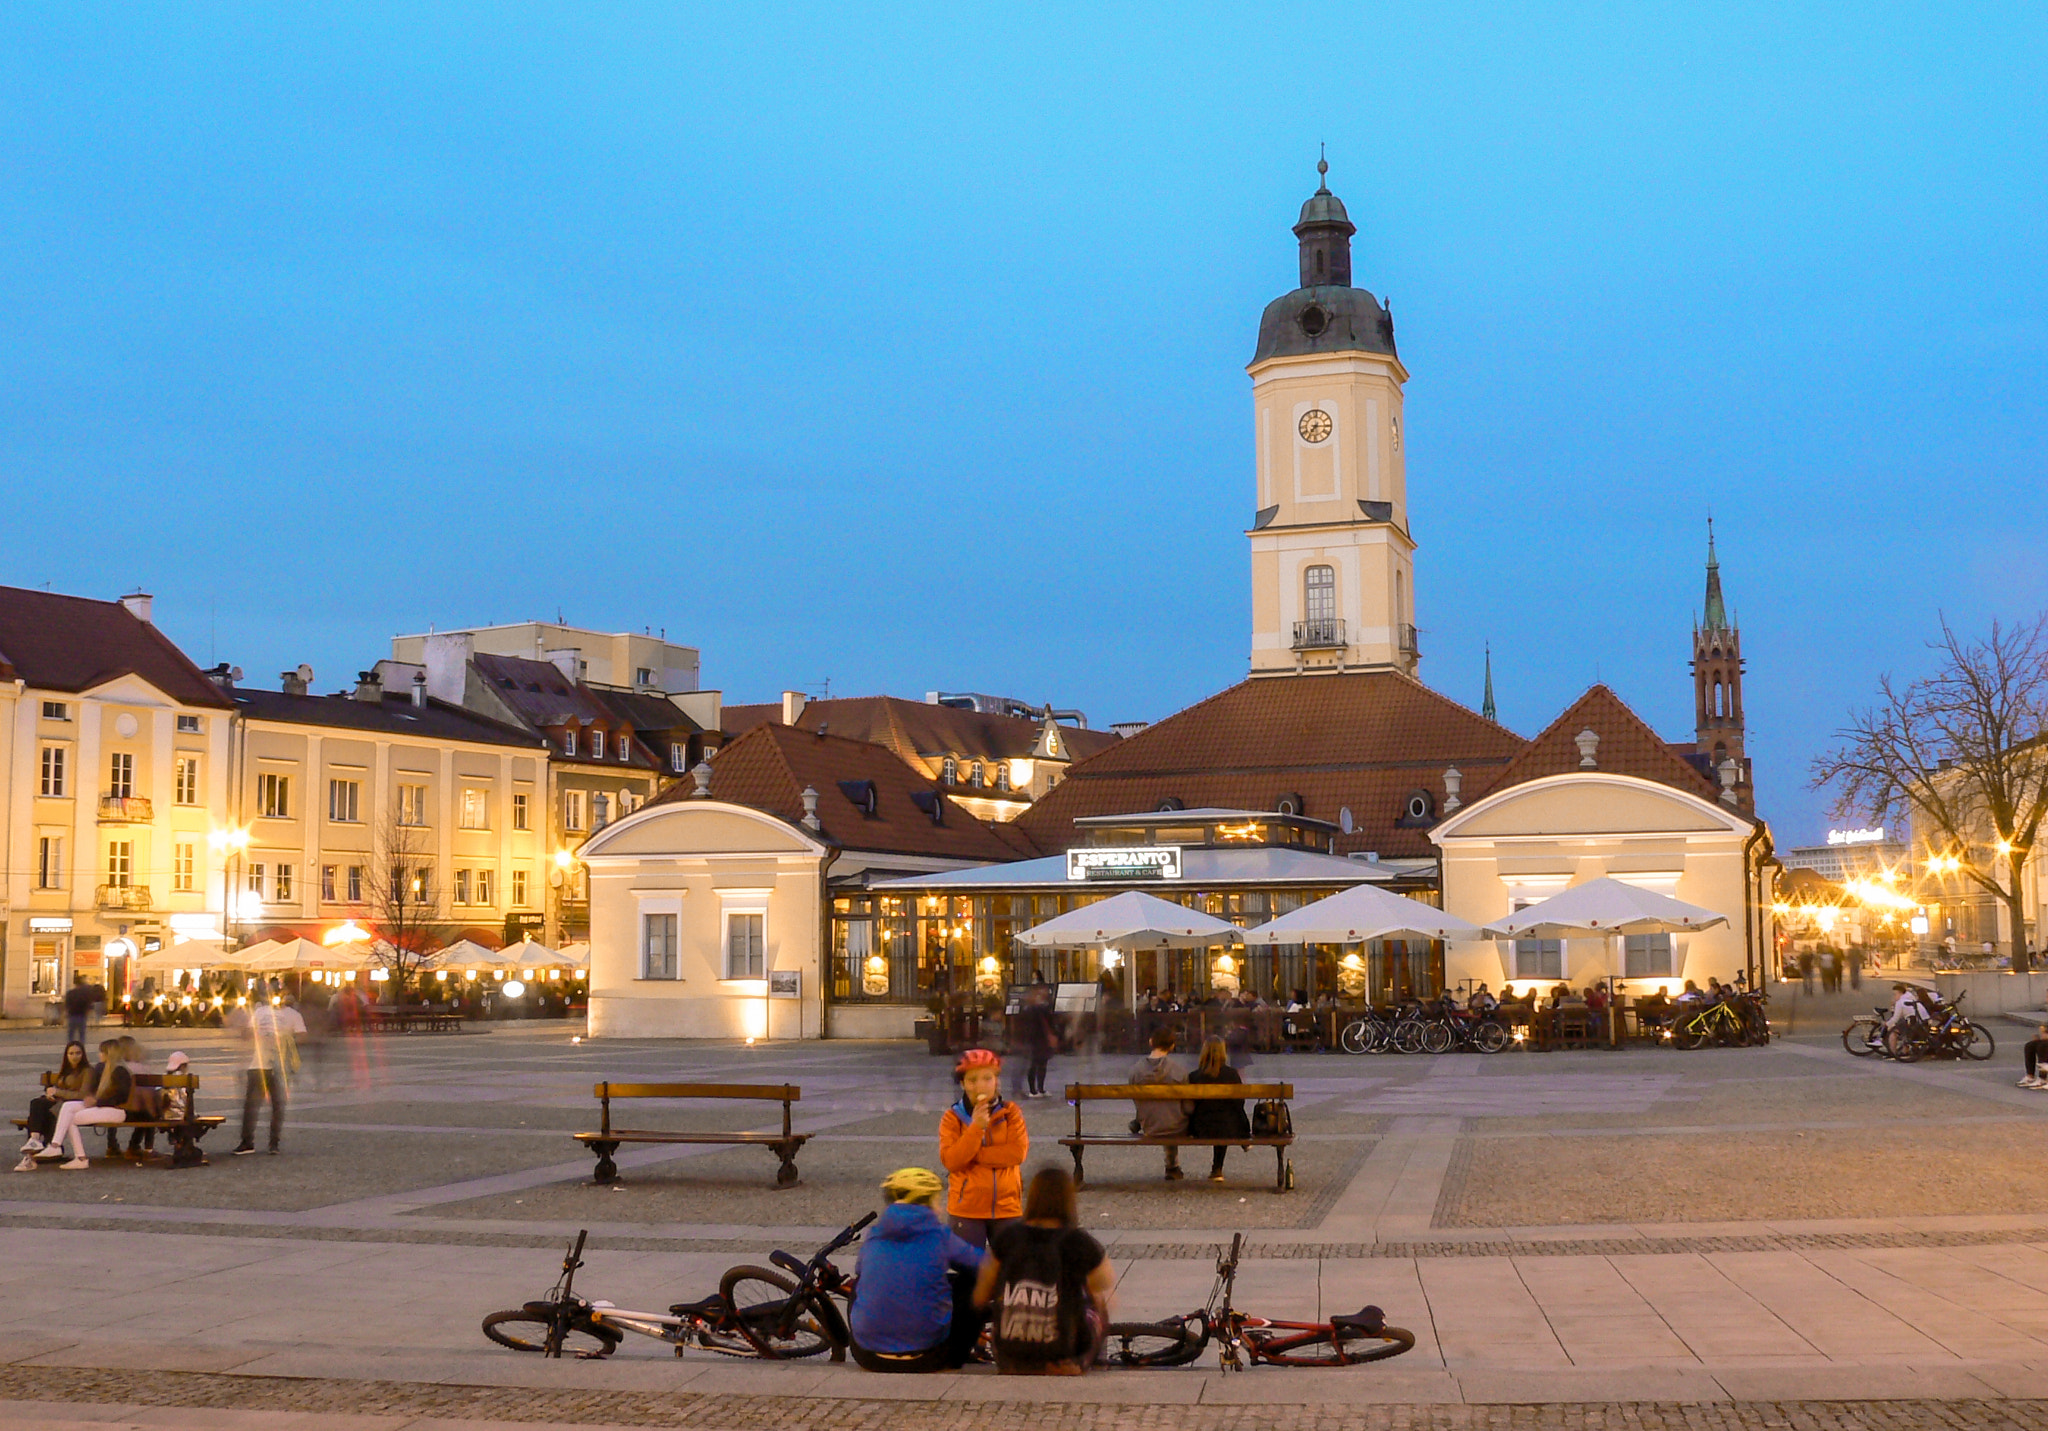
(1363, 741)
(1627, 746)
(73, 643)
(919, 732)
(769, 767)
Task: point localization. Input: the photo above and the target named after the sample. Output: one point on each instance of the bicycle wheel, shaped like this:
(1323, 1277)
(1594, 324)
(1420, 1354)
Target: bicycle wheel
(1490, 1038)
(1408, 1038)
(1909, 1045)
(1857, 1036)
(1437, 1038)
(526, 1330)
(1976, 1042)
(1152, 1344)
(1340, 1346)
(760, 1301)
(1356, 1038)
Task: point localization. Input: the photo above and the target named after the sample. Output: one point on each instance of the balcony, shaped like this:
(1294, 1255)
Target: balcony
(1321, 633)
(125, 810)
(134, 898)
(1409, 645)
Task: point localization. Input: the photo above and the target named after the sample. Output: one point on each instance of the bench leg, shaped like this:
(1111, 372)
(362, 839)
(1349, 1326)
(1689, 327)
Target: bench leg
(607, 1170)
(785, 1176)
(185, 1148)
(1077, 1167)
(1280, 1173)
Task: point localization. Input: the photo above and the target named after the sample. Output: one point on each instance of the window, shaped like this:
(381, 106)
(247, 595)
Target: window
(949, 770)
(50, 862)
(600, 811)
(484, 881)
(644, 676)
(345, 801)
(185, 780)
(573, 804)
(188, 725)
(121, 775)
(1539, 959)
(475, 809)
(678, 757)
(462, 886)
(254, 880)
(519, 889)
(120, 863)
(184, 865)
(625, 746)
(1321, 593)
(53, 770)
(281, 883)
(412, 804)
(274, 796)
(658, 946)
(355, 884)
(597, 745)
(745, 947)
(327, 885)
(56, 710)
(569, 743)
(414, 885)
(520, 820)
(976, 775)
(1646, 956)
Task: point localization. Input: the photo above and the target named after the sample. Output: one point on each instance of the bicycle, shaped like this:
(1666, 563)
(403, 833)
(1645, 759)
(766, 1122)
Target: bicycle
(1368, 1033)
(1361, 1336)
(1865, 1035)
(1948, 1035)
(1716, 1023)
(1464, 1030)
(754, 1313)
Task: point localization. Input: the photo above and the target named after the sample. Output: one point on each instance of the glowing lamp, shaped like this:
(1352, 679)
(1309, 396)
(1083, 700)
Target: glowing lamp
(514, 989)
(378, 976)
(441, 976)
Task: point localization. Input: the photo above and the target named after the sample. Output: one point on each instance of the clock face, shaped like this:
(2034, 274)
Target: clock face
(1315, 425)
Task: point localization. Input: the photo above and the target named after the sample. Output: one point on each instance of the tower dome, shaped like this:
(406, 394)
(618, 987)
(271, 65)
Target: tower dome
(1326, 314)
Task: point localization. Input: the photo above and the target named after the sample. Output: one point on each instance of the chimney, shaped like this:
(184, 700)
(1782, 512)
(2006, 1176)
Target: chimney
(1728, 770)
(1588, 741)
(419, 690)
(292, 682)
(793, 703)
(138, 604)
(1454, 779)
(810, 798)
(223, 676)
(446, 659)
(369, 687)
(701, 773)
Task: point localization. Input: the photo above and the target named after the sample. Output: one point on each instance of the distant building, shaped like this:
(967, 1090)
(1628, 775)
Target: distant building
(1840, 860)
(634, 662)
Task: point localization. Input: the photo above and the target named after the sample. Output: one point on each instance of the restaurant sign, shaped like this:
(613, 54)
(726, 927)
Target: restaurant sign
(1124, 862)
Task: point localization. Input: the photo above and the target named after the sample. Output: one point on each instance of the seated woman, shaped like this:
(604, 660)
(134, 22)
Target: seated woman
(103, 1105)
(1216, 1117)
(913, 1301)
(73, 1081)
(1048, 1283)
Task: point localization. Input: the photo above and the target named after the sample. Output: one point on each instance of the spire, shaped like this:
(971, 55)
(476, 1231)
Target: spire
(1322, 168)
(1716, 617)
(1325, 232)
(1486, 706)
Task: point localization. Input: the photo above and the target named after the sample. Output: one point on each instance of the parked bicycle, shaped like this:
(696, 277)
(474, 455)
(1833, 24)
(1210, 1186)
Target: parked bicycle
(1370, 1032)
(1464, 1029)
(756, 1312)
(1361, 1336)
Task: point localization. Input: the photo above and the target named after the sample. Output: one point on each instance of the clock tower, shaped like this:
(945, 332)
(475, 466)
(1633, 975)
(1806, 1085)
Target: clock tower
(1333, 566)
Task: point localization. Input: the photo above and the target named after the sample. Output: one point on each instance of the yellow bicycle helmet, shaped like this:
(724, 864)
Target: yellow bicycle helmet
(913, 1185)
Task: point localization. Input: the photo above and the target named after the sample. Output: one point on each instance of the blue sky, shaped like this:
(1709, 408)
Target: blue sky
(905, 347)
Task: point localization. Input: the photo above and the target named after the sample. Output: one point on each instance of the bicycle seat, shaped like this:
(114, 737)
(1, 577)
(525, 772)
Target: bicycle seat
(709, 1307)
(1370, 1320)
(788, 1262)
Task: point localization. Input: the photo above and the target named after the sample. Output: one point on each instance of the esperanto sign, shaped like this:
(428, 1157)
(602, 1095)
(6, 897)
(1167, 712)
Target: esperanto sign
(1124, 862)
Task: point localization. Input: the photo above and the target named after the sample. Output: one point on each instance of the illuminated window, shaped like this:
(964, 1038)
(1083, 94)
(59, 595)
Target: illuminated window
(475, 808)
(281, 884)
(462, 886)
(483, 887)
(355, 884)
(53, 770)
(412, 804)
(274, 796)
(121, 775)
(519, 889)
(185, 780)
(520, 820)
(50, 862)
(327, 883)
(184, 863)
(120, 863)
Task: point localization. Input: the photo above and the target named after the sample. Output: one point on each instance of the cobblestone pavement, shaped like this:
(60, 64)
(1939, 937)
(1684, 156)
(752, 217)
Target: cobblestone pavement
(41, 1400)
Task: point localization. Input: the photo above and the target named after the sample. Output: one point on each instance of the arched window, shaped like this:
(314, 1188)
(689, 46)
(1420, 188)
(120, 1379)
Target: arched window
(1321, 593)
(1400, 599)
(949, 770)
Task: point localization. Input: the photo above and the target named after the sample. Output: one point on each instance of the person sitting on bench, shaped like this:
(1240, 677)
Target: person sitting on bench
(1161, 1117)
(913, 1302)
(74, 1079)
(102, 1106)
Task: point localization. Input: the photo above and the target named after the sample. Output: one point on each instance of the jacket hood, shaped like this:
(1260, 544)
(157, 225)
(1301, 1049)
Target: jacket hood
(905, 1222)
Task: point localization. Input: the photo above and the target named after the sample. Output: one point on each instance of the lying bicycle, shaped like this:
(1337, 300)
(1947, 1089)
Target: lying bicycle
(1342, 1341)
(762, 1312)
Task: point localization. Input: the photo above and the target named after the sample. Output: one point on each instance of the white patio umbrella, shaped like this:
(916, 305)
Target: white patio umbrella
(1601, 909)
(304, 954)
(464, 954)
(1363, 912)
(184, 954)
(532, 954)
(1132, 920)
(574, 956)
(239, 958)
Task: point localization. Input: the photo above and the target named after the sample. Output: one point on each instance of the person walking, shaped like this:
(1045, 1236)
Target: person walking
(272, 1031)
(983, 1142)
(1034, 1037)
(79, 1001)
(1161, 1117)
(1217, 1117)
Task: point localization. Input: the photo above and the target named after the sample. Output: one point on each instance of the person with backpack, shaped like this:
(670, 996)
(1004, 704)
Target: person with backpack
(983, 1143)
(1161, 1117)
(1046, 1283)
(913, 1300)
(1217, 1117)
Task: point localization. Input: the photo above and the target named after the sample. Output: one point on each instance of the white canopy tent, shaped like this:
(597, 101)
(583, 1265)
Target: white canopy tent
(1602, 908)
(303, 955)
(574, 956)
(1359, 914)
(1130, 921)
(463, 954)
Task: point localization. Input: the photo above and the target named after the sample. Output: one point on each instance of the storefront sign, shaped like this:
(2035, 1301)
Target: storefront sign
(49, 924)
(1126, 862)
(1857, 837)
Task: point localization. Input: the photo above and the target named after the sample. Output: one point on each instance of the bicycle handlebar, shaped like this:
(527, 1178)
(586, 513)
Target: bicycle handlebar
(847, 1236)
(575, 1257)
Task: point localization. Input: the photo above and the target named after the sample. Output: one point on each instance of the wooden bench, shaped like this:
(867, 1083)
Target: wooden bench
(1277, 1094)
(413, 1018)
(185, 1132)
(605, 1141)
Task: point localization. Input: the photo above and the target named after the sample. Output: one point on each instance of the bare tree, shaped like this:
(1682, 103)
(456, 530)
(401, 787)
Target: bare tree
(1964, 754)
(404, 902)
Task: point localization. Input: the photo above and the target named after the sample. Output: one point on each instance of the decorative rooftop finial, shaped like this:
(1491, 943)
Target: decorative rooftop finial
(1322, 168)
(1715, 615)
(1486, 706)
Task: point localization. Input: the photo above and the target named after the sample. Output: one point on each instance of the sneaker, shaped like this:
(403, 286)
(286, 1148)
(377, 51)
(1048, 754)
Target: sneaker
(75, 1164)
(1215, 1177)
(27, 1164)
(46, 1154)
(2030, 1081)
(242, 1150)
(34, 1143)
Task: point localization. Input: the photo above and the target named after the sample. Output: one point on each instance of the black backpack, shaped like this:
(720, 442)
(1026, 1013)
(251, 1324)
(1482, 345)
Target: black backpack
(1033, 1322)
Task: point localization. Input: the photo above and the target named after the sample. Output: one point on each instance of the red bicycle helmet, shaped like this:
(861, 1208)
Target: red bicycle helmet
(977, 1058)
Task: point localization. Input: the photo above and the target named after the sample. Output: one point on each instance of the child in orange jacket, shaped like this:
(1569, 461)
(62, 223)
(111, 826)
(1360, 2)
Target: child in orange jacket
(983, 1142)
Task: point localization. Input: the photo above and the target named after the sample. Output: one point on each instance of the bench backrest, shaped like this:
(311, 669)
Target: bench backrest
(1081, 1092)
(783, 1093)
